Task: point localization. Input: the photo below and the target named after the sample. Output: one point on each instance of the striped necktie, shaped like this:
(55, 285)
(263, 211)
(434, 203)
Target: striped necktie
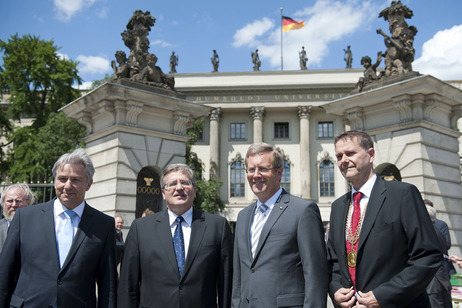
(257, 226)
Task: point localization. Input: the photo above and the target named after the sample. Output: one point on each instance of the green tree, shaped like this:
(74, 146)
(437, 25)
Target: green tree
(37, 78)
(36, 152)
(207, 191)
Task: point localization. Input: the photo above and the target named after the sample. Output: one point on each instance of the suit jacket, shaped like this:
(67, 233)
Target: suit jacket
(3, 232)
(30, 257)
(120, 246)
(398, 251)
(150, 277)
(290, 266)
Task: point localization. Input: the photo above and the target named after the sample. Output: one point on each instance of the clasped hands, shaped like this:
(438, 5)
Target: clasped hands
(347, 298)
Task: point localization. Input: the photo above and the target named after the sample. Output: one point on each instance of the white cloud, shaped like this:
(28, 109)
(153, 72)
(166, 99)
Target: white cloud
(247, 35)
(326, 21)
(160, 43)
(441, 55)
(67, 8)
(93, 65)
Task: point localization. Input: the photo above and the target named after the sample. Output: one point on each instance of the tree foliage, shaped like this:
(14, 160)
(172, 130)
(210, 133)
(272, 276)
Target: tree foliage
(39, 82)
(37, 78)
(36, 153)
(207, 191)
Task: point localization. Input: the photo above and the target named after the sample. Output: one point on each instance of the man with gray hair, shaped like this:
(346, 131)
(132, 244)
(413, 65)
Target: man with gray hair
(57, 252)
(14, 197)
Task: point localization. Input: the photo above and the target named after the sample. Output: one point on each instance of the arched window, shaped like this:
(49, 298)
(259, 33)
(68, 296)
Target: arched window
(237, 179)
(326, 179)
(285, 179)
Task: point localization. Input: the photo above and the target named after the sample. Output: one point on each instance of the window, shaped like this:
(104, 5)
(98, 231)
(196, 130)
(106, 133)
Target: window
(325, 130)
(237, 180)
(326, 179)
(285, 179)
(281, 130)
(238, 131)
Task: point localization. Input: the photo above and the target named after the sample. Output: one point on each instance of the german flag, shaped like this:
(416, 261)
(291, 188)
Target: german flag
(291, 24)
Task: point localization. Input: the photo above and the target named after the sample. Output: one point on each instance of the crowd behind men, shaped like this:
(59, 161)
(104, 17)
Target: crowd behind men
(382, 248)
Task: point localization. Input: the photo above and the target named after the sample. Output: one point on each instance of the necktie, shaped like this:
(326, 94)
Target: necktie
(178, 244)
(65, 236)
(354, 225)
(257, 226)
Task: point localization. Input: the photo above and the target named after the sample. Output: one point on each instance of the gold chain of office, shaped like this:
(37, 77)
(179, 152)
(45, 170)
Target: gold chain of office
(353, 238)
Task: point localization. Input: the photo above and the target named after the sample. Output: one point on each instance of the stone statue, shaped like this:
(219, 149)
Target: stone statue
(400, 50)
(215, 61)
(173, 62)
(140, 65)
(303, 59)
(370, 72)
(123, 70)
(256, 60)
(348, 57)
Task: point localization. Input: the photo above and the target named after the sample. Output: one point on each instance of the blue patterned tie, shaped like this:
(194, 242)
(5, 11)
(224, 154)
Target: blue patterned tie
(257, 226)
(65, 236)
(178, 244)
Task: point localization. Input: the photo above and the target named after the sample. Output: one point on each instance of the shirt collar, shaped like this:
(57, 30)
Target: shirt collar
(366, 189)
(187, 216)
(271, 201)
(59, 208)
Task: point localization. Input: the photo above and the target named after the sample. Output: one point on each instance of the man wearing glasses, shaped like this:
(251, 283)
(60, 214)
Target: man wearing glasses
(15, 196)
(279, 250)
(180, 257)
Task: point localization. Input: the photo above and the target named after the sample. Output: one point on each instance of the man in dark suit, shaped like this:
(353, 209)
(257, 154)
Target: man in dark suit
(382, 248)
(279, 251)
(14, 197)
(56, 251)
(179, 257)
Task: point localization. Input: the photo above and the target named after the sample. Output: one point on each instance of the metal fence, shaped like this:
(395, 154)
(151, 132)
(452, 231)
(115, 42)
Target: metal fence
(43, 191)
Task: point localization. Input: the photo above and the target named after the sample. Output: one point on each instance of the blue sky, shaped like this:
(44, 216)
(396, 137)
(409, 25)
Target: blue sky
(88, 31)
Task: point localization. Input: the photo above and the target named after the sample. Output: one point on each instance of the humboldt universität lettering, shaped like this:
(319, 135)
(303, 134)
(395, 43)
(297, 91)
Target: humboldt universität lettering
(269, 98)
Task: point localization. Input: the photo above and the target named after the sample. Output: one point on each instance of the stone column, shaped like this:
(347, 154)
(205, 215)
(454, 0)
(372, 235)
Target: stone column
(215, 116)
(258, 114)
(304, 115)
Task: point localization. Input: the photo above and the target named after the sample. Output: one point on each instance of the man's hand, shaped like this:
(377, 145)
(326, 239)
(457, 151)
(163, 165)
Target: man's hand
(345, 297)
(366, 300)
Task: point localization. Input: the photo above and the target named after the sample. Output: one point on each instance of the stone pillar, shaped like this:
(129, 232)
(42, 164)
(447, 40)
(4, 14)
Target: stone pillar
(304, 115)
(258, 114)
(215, 116)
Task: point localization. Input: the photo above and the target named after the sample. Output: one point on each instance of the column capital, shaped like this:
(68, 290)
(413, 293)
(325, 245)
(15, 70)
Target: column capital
(258, 112)
(304, 112)
(215, 114)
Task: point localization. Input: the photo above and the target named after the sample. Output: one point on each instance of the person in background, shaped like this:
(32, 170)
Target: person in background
(119, 224)
(14, 197)
(61, 253)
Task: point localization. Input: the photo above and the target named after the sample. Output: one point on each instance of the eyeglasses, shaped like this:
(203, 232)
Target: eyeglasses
(174, 184)
(262, 170)
(18, 201)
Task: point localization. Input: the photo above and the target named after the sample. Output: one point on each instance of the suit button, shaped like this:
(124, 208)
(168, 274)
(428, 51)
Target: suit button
(248, 300)
(252, 270)
(60, 282)
(180, 287)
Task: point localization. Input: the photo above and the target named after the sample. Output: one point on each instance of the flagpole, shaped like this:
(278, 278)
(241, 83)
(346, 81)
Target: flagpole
(282, 65)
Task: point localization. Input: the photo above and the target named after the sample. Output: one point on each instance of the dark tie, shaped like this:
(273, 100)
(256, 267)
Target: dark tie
(354, 225)
(178, 244)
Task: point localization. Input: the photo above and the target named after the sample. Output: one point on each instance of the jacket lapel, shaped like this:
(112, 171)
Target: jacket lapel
(248, 227)
(278, 208)
(340, 234)
(164, 234)
(373, 207)
(85, 226)
(50, 230)
(198, 228)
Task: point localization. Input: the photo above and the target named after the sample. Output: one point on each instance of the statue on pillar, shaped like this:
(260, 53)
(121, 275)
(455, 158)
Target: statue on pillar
(140, 65)
(348, 57)
(173, 62)
(256, 60)
(303, 59)
(215, 61)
